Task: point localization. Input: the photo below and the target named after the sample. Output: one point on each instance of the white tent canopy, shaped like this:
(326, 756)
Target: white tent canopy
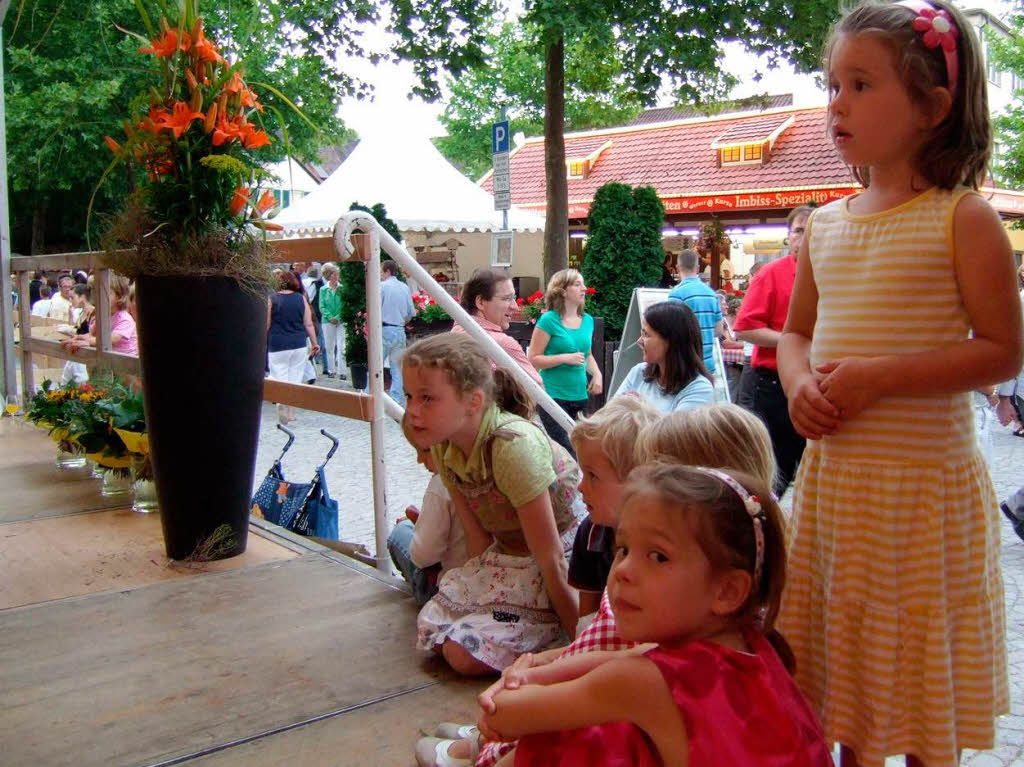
(421, 190)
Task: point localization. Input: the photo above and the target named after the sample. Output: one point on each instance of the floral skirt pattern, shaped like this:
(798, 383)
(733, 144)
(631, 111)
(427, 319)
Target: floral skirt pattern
(495, 606)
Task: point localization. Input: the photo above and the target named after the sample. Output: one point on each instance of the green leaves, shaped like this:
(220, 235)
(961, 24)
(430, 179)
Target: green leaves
(352, 283)
(1007, 54)
(623, 250)
(596, 92)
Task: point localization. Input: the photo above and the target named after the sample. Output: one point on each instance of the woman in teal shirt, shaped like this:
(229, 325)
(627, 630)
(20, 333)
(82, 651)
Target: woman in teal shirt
(560, 350)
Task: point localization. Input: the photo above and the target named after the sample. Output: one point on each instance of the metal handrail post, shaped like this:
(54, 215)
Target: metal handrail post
(374, 342)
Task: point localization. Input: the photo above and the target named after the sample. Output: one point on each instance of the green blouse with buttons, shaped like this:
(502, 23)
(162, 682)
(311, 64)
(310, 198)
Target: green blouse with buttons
(511, 463)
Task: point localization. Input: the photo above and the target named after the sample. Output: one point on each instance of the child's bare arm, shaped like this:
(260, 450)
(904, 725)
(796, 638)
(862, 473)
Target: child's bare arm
(813, 415)
(527, 670)
(628, 689)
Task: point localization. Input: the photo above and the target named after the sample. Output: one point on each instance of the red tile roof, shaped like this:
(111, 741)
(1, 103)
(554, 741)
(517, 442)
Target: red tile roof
(751, 130)
(677, 159)
(584, 147)
(749, 104)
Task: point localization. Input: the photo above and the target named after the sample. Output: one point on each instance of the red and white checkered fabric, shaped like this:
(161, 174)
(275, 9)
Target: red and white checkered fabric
(601, 634)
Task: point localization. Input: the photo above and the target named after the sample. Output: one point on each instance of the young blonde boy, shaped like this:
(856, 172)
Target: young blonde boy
(429, 540)
(605, 445)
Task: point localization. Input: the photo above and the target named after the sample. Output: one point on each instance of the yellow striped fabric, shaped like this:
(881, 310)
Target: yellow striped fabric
(894, 602)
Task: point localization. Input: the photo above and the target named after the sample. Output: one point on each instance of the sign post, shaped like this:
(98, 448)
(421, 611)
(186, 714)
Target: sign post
(501, 242)
(502, 176)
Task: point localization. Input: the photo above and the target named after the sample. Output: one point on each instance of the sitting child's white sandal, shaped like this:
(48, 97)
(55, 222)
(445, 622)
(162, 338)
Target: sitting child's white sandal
(433, 752)
(456, 731)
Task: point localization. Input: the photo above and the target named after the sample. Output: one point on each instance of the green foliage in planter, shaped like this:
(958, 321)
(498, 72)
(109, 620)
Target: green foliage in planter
(624, 250)
(352, 281)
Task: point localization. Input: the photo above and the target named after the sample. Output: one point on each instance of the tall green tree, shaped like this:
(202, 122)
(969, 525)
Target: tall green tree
(1007, 53)
(624, 250)
(661, 45)
(597, 94)
(71, 71)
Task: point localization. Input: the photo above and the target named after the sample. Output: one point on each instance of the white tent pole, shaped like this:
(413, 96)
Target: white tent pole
(6, 302)
(362, 221)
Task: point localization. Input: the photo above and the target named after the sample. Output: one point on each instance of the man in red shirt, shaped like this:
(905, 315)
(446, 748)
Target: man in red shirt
(760, 321)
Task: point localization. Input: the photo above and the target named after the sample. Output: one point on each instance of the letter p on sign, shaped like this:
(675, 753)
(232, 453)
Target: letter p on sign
(499, 137)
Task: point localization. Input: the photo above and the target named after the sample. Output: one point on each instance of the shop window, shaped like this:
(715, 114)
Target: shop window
(577, 168)
(747, 154)
(730, 154)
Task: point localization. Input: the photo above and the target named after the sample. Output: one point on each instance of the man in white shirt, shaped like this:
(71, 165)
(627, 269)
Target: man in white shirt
(60, 304)
(41, 308)
(396, 309)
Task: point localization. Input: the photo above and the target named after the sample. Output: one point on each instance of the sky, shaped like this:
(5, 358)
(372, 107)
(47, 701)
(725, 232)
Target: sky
(393, 111)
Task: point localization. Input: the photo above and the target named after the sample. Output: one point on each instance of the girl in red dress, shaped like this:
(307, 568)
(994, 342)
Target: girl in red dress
(698, 575)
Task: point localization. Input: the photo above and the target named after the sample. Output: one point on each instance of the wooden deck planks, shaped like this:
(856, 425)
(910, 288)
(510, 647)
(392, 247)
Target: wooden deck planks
(33, 487)
(172, 669)
(382, 734)
(68, 556)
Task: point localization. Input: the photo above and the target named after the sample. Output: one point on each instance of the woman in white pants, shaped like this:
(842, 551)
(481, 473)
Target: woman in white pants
(330, 312)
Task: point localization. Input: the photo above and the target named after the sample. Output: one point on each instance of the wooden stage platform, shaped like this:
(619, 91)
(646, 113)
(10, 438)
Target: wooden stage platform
(112, 655)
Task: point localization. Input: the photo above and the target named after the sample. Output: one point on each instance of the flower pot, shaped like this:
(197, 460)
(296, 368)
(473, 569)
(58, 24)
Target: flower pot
(358, 375)
(202, 344)
(418, 328)
(69, 459)
(117, 483)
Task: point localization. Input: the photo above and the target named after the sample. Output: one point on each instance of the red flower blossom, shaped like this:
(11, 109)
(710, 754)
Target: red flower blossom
(238, 201)
(178, 122)
(166, 45)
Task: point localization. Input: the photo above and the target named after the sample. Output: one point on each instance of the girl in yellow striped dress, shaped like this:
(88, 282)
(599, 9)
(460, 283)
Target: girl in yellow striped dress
(904, 302)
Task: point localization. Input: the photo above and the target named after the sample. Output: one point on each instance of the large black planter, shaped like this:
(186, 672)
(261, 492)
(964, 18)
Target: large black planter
(203, 346)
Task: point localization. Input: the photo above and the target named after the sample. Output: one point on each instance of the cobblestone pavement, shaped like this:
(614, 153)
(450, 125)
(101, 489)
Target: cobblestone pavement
(348, 479)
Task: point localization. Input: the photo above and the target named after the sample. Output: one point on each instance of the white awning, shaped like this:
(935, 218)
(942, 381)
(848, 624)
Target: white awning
(420, 189)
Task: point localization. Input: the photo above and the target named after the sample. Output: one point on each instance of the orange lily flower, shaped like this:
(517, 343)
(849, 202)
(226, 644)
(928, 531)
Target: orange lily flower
(112, 145)
(164, 46)
(180, 121)
(203, 48)
(266, 202)
(254, 139)
(211, 118)
(238, 201)
(235, 84)
(249, 99)
(227, 130)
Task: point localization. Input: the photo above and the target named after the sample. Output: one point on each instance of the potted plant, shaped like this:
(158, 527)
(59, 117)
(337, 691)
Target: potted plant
(531, 307)
(191, 236)
(51, 408)
(430, 317)
(124, 408)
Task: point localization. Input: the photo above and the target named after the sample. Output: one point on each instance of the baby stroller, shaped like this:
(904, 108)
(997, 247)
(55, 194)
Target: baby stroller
(305, 508)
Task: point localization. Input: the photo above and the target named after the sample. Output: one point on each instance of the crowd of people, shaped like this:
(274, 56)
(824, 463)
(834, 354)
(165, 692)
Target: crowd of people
(641, 595)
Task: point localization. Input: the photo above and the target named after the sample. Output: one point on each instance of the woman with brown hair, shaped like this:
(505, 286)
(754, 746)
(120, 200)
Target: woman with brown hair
(289, 324)
(560, 349)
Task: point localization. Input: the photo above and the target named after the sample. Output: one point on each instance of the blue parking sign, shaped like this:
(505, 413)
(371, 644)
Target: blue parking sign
(499, 137)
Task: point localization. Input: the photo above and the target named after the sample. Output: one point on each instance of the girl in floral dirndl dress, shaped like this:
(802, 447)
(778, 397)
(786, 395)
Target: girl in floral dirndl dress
(515, 494)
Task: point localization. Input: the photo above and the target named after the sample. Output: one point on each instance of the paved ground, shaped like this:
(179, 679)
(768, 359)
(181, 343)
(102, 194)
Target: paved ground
(348, 479)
